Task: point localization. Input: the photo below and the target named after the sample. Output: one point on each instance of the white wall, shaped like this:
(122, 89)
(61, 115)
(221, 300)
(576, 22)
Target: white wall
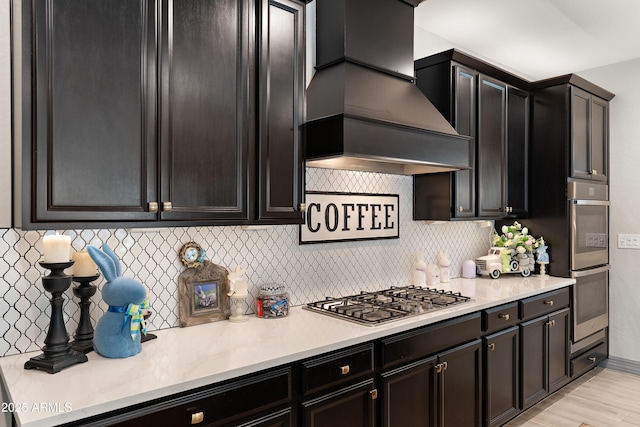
(622, 79)
(5, 118)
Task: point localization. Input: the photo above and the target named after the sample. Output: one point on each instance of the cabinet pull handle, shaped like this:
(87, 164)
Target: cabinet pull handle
(446, 365)
(303, 207)
(460, 209)
(439, 367)
(592, 359)
(492, 346)
(551, 323)
(153, 207)
(344, 370)
(549, 303)
(374, 394)
(594, 172)
(504, 316)
(167, 206)
(197, 418)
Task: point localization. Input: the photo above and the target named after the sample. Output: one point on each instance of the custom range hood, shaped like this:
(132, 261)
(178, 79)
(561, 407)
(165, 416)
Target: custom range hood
(363, 110)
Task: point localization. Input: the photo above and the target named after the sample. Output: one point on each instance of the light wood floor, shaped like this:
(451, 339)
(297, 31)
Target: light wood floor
(600, 398)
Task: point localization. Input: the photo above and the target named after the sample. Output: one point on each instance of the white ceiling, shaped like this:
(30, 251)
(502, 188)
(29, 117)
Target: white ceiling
(534, 39)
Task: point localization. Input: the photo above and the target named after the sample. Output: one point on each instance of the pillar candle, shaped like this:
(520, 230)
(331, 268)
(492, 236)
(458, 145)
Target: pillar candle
(57, 248)
(84, 265)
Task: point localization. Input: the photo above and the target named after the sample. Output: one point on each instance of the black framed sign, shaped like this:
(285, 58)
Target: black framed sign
(332, 217)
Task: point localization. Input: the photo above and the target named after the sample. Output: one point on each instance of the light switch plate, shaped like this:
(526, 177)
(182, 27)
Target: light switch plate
(629, 241)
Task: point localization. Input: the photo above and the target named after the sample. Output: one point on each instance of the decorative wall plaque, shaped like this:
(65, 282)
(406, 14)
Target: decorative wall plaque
(334, 217)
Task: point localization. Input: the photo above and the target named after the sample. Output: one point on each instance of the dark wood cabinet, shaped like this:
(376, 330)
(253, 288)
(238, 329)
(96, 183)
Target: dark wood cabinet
(281, 110)
(176, 113)
(442, 390)
(88, 109)
(241, 402)
(352, 406)
(570, 136)
(544, 356)
(206, 89)
(589, 135)
(490, 106)
(451, 87)
(433, 375)
(338, 389)
(408, 395)
(502, 372)
(503, 139)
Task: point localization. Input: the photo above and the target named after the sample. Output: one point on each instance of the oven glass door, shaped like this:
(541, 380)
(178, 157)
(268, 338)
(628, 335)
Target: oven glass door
(589, 233)
(590, 302)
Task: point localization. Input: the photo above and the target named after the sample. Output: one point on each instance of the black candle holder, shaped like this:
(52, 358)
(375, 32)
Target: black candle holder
(83, 341)
(56, 353)
(148, 336)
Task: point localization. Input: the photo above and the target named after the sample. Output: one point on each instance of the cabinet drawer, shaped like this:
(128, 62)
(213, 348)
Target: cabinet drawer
(336, 368)
(588, 360)
(544, 304)
(501, 317)
(429, 340)
(212, 407)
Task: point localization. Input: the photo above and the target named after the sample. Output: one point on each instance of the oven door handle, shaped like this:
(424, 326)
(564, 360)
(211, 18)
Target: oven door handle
(592, 202)
(589, 272)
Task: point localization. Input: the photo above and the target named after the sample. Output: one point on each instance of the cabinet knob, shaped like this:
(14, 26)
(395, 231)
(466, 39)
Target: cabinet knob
(594, 172)
(504, 316)
(153, 206)
(344, 370)
(492, 346)
(460, 209)
(374, 394)
(549, 303)
(551, 323)
(167, 206)
(302, 207)
(197, 418)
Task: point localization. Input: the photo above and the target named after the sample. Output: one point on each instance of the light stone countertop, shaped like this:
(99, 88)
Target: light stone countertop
(185, 358)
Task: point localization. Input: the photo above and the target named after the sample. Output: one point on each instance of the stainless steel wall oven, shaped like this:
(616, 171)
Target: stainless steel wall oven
(576, 227)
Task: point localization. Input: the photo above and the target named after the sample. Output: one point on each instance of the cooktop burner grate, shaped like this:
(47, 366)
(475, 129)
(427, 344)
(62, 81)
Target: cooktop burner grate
(373, 308)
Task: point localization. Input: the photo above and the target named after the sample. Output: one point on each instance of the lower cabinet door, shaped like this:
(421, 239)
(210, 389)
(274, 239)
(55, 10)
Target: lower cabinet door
(559, 349)
(408, 395)
(351, 406)
(533, 339)
(502, 369)
(461, 386)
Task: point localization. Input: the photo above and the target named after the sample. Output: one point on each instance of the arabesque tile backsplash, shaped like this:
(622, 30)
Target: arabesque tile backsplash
(310, 272)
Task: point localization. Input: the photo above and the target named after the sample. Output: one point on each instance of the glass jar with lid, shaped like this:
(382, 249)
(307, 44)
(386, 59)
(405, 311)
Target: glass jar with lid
(272, 301)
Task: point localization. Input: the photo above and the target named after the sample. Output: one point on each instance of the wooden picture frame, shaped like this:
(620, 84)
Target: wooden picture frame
(202, 295)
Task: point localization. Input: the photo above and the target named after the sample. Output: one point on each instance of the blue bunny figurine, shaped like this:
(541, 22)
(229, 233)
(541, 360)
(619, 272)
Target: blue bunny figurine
(117, 333)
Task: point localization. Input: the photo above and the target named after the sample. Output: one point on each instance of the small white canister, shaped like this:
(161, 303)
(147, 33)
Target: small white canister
(433, 275)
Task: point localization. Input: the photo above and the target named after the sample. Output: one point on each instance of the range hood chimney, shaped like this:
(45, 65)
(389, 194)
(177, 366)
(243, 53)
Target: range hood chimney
(364, 111)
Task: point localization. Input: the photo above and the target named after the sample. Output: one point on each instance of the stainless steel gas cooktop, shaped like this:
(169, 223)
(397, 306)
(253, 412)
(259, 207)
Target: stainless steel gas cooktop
(394, 303)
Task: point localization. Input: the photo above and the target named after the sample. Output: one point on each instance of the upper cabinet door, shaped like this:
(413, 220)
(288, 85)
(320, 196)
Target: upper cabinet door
(492, 101)
(589, 135)
(93, 111)
(599, 139)
(206, 122)
(464, 121)
(281, 74)
(517, 152)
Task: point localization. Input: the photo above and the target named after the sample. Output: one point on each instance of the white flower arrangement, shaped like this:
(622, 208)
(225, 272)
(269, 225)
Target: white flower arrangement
(516, 237)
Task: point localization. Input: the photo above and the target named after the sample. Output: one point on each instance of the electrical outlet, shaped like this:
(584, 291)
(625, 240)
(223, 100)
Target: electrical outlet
(629, 241)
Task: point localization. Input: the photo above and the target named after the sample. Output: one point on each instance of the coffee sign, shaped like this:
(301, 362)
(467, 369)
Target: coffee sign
(334, 217)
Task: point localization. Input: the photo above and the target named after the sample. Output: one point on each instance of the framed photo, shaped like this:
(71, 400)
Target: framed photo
(203, 295)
